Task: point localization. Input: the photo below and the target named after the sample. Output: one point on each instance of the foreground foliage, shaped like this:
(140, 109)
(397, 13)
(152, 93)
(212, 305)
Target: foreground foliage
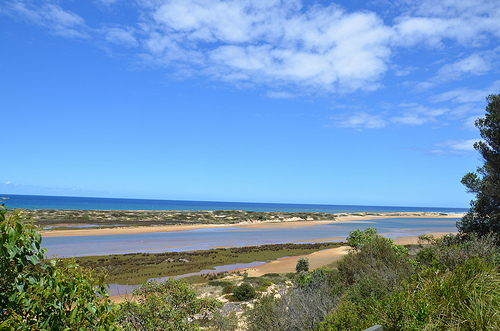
(46, 296)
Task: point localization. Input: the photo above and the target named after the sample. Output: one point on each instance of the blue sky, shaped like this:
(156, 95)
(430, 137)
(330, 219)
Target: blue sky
(349, 102)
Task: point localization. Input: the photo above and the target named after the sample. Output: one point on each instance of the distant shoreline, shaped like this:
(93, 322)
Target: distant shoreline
(80, 227)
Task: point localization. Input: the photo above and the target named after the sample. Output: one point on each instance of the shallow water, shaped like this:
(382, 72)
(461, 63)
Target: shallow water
(201, 239)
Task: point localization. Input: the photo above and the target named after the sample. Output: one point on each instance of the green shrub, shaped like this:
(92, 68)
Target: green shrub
(358, 238)
(230, 298)
(266, 314)
(452, 251)
(224, 321)
(170, 305)
(244, 292)
(376, 259)
(346, 316)
(267, 283)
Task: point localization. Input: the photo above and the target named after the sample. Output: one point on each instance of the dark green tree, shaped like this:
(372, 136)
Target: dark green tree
(302, 264)
(484, 214)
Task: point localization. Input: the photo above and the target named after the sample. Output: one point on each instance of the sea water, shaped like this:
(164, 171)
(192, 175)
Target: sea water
(87, 203)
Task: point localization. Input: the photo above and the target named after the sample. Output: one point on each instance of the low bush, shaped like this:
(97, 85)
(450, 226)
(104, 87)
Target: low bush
(244, 292)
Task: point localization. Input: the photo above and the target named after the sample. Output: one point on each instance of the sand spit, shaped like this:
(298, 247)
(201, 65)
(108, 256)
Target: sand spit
(62, 224)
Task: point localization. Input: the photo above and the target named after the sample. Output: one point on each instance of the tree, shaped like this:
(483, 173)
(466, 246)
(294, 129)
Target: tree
(35, 295)
(484, 214)
(302, 264)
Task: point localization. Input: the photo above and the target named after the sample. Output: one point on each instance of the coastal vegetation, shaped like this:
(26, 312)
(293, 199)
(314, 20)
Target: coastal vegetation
(55, 219)
(60, 219)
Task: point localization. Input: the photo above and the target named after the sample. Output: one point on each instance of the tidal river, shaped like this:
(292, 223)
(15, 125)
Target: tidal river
(200, 239)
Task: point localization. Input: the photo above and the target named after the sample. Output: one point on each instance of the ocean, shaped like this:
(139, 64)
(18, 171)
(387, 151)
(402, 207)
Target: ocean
(88, 203)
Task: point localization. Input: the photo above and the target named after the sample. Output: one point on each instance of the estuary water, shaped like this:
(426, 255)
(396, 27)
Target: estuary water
(200, 239)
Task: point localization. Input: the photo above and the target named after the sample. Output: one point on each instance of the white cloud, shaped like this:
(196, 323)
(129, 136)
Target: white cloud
(120, 36)
(470, 123)
(415, 114)
(106, 2)
(50, 16)
(467, 22)
(360, 120)
(476, 64)
(272, 42)
(409, 114)
(287, 44)
(466, 95)
(459, 145)
(280, 95)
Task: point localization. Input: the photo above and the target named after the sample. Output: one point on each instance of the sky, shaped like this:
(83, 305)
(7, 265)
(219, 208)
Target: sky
(346, 103)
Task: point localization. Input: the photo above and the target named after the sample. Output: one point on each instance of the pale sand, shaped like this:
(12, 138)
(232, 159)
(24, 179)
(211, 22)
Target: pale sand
(256, 225)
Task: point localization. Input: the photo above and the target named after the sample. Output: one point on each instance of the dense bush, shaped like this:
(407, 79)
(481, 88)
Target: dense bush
(170, 305)
(301, 307)
(377, 259)
(451, 251)
(244, 292)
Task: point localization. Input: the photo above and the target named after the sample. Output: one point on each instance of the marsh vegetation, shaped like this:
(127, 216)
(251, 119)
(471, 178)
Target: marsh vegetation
(137, 268)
